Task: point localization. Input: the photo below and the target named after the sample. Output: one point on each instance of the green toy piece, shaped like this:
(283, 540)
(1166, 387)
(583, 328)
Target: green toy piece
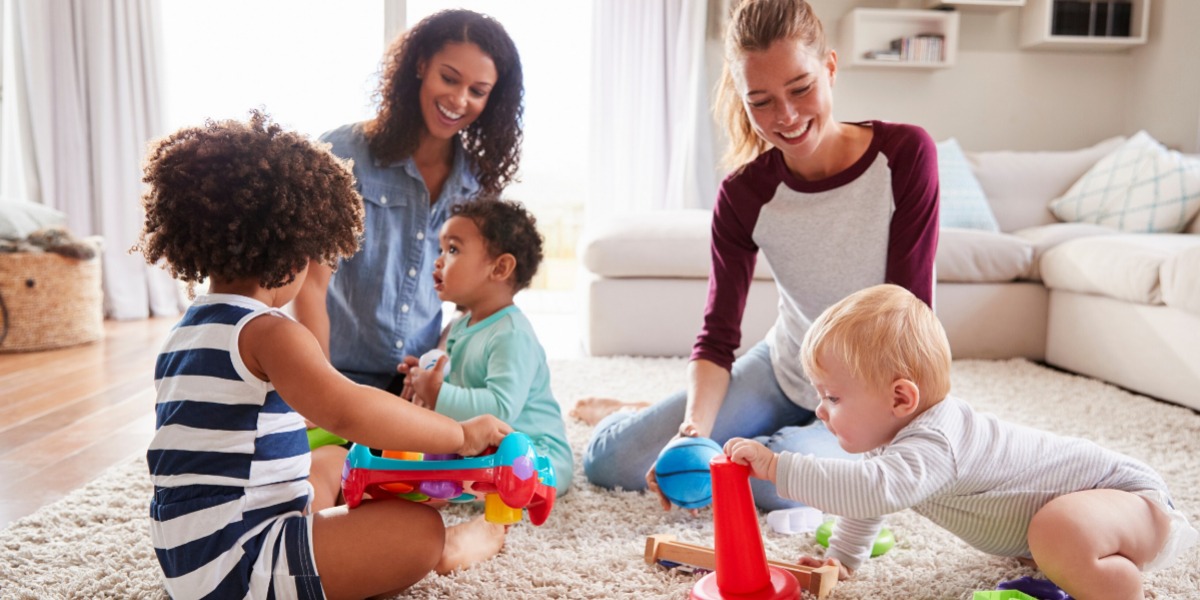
(318, 437)
(1002, 595)
(883, 543)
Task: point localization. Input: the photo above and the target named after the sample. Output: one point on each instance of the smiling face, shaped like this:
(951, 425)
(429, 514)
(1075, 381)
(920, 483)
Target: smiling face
(464, 267)
(786, 91)
(455, 84)
(861, 416)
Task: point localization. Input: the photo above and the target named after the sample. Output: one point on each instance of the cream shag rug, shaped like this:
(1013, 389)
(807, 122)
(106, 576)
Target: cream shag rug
(94, 543)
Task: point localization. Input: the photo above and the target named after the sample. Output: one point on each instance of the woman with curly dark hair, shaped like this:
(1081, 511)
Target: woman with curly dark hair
(252, 209)
(448, 130)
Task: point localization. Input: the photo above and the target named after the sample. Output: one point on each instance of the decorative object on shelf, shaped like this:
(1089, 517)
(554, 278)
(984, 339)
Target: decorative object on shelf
(1106, 18)
(1084, 24)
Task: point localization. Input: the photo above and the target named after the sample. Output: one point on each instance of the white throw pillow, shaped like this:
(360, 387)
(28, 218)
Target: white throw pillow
(962, 203)
(19, 218)
(1140, 187)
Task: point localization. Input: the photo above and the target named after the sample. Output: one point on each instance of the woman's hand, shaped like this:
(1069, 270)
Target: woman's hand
(759, 458)
(426, 383)
(652, 483)
(812, 561)
(481, 432)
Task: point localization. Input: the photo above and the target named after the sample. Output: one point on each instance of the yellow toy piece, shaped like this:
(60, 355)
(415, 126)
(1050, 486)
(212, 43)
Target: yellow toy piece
(496, 511)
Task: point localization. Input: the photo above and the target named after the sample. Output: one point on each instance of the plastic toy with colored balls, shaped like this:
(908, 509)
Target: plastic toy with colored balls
(513, 478)
(683, 474)
(883, 542)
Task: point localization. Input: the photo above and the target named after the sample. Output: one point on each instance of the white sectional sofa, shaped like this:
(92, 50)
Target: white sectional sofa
(1120, 307)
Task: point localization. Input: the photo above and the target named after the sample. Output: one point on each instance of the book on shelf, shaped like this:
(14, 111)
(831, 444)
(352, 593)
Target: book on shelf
(922, 48)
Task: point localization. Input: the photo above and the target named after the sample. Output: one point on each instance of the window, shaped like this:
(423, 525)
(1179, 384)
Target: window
(311, 64)
(314, 65)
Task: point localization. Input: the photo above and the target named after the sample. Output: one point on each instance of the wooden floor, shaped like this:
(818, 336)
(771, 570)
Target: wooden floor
(67, 415)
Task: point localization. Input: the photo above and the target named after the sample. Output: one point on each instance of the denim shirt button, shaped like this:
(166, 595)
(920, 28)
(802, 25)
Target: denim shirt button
(420, 235)
(383, 199)
(404, 308)
(399, 344)
(412, 272)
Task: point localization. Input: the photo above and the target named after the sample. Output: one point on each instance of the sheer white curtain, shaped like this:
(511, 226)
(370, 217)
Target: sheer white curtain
(81, 100)
(652, 133)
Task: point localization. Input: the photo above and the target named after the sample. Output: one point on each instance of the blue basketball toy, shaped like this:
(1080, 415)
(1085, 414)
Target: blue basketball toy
(682, 471)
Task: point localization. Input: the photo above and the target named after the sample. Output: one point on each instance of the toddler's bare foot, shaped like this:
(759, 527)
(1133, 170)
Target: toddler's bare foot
(591, 410)
(468, 543)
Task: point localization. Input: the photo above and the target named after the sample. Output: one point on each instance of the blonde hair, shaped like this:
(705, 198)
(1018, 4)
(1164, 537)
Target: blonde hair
(881, 334)
(753, 27)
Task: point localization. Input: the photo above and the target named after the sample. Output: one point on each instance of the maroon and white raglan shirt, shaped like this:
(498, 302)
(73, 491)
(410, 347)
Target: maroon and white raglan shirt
(875, 222)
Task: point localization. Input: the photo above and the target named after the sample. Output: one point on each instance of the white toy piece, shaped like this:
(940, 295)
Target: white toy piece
(429, 361)
(790, 521)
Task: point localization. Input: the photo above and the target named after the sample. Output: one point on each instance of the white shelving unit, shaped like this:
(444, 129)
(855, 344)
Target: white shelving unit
(1037, 17)
(865, 30)
(975, 4)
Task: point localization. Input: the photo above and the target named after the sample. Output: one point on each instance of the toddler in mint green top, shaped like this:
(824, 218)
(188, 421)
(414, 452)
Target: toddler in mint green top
(498, 367)
(490, 250)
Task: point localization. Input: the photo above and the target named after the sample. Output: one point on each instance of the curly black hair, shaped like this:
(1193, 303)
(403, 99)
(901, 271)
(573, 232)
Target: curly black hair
(233, 200)
(507, 228)
(494, 139)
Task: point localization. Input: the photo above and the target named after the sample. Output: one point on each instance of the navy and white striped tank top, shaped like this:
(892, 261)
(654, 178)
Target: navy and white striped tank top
(229, 458)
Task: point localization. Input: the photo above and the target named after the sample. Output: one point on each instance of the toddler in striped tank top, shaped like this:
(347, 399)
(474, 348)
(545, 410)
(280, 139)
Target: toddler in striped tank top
(248, 207)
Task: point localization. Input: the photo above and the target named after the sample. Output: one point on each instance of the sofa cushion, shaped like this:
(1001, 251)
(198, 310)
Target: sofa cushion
(1019, 185)
(1122, 266)
(1140, 187)
(1045, 237)
(653, 244)
(974, 256)
(962, 203)
(1180, 277)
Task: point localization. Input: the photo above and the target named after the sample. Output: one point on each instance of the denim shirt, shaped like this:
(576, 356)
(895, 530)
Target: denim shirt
(381, 301)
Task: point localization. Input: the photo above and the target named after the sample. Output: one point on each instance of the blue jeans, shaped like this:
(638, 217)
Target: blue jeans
(625, 444)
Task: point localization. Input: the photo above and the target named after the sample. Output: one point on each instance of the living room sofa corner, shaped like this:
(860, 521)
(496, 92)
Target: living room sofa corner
(1118, 307)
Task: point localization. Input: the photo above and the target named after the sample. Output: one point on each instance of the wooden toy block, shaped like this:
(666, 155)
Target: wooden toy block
(819, 581)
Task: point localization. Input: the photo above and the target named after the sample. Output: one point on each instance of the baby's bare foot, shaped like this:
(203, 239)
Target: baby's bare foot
(591, 410)
(468, 543)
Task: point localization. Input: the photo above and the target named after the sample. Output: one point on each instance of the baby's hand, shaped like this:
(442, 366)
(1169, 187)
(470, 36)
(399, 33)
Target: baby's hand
(754, 455)
(406, 391)
(426, 383)
(812, 561)
(481, 432)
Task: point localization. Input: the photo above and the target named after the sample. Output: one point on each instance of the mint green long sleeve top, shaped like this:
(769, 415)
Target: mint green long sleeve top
(498, 367)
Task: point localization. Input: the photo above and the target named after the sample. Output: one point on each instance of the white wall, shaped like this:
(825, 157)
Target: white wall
(1166, 76)
(998, 96)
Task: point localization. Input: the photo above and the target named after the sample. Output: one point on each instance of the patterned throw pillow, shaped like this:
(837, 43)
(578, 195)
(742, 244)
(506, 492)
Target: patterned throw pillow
(963, 203)
(1140, 187)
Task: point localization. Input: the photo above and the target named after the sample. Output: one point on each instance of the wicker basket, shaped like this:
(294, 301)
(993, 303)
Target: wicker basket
(49, 301)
